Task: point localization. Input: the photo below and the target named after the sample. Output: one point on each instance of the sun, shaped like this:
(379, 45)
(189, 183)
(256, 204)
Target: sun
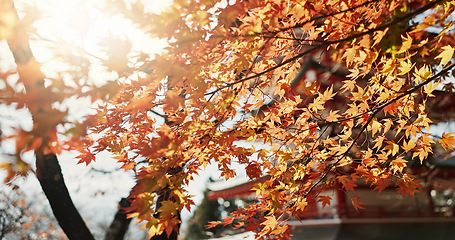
(88, 25)
(90, 40)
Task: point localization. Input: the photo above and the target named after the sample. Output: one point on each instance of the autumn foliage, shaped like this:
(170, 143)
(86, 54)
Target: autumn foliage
(230, 76)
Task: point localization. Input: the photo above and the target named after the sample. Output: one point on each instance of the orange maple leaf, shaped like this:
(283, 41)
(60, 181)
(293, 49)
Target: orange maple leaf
(348, 184)
(357, 203)
(408, 186)
(447, 141)
(86, 157)
(398, 164)
(325, 200)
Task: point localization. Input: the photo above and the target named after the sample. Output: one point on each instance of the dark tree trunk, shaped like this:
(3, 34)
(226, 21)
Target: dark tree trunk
(165, 195)
(50, 177)
(120, 224)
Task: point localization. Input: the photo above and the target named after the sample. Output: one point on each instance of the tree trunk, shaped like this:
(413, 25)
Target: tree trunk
(119, 225)
(51, 179)
(48, 170)
(165, 195)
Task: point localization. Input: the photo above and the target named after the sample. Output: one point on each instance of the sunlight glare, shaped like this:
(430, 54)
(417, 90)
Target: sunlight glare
(85, 25)
(86, 29)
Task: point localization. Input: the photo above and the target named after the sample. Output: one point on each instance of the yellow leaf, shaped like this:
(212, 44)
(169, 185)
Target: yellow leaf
(393, 147)
(378, 142)
(378, 36)
(333, 116)
(350, 55)
(375, 126)
(349, 85)
(301, 205)
(328, 94)
(422, 74)
(155, 230)
(270, 223)
(405, 67)
(344, 162)
(406, 44)
(409, 145)
(445, 55)
(429, 88)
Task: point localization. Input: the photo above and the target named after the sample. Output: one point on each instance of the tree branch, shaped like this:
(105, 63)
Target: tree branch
(119, 225)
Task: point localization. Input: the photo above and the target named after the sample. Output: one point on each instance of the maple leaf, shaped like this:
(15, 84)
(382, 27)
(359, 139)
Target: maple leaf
(406, 44)
(280, 230)
(375, 126)
(378, 36)
(398, 164)
(239, 225)
(379, 141)
(301, 205)
(409, 145)
(429, 88)
(86, 157)
(408, 186)
(333, 116)
(212, 224)
(357, 203)
(171, 226)
(270, 223)
(391, 108)
(405, 67)
(326, 200)
(445, 55)
(348, 184)
(422, 152)
(392, 147)
(447, 141)
(128, 165)
(155, 229)
(381, 184)
(350, 54)
(327, 95)
(349, 85)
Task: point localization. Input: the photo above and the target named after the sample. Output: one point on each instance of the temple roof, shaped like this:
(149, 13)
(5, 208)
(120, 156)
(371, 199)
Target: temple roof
(240, 236)
(222, 185)
(235, 187)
